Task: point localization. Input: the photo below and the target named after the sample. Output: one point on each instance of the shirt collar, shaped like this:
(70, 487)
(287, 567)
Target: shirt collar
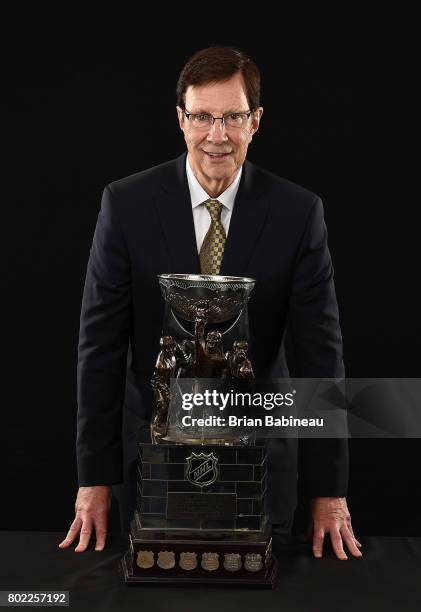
(198, 195)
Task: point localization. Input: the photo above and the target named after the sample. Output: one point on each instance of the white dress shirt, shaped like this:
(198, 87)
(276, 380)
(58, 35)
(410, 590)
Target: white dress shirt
(201, 216)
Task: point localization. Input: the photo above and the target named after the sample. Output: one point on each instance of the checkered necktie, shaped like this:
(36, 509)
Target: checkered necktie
(212, 249)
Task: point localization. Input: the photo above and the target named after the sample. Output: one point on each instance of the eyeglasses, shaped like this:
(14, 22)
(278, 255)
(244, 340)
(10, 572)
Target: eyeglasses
(205, 120)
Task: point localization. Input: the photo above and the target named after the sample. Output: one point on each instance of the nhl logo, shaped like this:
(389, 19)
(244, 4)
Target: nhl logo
(202, 469)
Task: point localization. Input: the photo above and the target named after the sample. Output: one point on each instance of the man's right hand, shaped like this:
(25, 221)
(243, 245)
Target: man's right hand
(92, 507)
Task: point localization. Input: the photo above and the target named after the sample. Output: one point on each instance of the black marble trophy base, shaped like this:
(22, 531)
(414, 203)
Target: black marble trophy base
(200, 517)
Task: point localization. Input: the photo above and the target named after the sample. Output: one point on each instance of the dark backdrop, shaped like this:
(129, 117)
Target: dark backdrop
(94, 102)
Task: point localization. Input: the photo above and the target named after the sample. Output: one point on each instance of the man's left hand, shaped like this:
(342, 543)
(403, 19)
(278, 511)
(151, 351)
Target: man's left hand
(331, 515)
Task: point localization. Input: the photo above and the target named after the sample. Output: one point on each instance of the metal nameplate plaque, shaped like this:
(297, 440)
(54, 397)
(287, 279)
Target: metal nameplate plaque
(201, 506)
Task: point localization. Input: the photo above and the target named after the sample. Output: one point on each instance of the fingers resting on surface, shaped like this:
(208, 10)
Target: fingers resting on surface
(91, 507)
(331, 515)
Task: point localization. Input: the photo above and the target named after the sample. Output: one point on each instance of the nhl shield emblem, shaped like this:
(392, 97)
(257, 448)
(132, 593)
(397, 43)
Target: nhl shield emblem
(202, 469)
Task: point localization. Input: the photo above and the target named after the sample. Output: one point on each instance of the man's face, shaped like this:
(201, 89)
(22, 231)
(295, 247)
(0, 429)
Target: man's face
(217, 99)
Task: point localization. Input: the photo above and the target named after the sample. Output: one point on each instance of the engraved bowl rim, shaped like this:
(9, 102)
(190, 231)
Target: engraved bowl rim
(206, 278)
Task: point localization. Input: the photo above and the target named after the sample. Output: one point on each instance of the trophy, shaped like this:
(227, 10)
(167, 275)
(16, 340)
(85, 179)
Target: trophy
(200, 514)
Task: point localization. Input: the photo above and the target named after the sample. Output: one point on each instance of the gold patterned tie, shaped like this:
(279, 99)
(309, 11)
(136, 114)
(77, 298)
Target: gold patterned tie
(212, 249)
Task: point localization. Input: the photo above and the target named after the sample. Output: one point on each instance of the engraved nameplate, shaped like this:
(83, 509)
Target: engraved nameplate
(202, 506)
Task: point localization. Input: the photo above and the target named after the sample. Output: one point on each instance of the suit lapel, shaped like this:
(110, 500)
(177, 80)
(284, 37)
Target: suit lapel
(176, 217)
(247, 222)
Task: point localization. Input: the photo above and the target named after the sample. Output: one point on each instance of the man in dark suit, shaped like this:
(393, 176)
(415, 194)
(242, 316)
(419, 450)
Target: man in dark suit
(165, 219)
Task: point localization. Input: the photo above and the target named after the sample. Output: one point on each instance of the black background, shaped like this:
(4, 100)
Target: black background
(90, 101)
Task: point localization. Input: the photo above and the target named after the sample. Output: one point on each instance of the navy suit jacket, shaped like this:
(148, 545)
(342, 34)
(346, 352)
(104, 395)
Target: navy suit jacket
(277, 235)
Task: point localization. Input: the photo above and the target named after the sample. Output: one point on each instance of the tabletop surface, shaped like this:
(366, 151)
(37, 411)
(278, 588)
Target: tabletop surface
(387, 577)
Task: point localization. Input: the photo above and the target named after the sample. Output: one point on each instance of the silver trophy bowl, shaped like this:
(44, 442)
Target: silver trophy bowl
(225, 296)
